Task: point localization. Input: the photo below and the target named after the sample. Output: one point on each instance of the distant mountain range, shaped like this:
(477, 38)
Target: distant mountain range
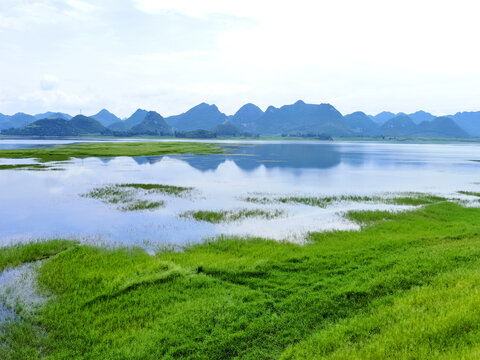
(204, 120)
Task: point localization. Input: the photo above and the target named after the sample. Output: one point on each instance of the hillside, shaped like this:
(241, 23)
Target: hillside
(440, 127)
(247, 116)
(202, 116)
(105, 117)
(86, 125)
(468, 121)
(46, 127)
(361, 124)
(124, 125)
(400, 125)
(228, 128)
(302, 117)
(153, 124)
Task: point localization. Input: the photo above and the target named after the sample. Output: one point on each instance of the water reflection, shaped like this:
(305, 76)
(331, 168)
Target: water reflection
(47, 204)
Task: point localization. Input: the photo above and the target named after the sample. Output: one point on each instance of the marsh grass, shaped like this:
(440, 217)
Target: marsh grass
(128, 196)
(400, 289)
(142, 205)
(158, 188)
(470, 193)
(216, 217)
(27, 167)
(413, 199)
(112, 149)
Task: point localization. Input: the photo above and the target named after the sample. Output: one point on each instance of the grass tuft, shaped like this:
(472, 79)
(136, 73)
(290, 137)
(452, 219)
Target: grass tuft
(231, 215)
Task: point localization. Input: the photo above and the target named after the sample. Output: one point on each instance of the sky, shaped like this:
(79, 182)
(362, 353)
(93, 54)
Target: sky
(170, 55)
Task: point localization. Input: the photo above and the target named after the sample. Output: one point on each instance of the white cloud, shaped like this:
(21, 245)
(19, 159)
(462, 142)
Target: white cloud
(49, 82)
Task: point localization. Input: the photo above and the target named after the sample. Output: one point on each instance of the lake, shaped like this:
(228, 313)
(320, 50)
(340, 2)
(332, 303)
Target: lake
(46, 204)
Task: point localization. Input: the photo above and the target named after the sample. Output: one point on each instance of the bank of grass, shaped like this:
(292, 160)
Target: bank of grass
(110, 149)
(406, 286)
(216, 217)
(470, 193)
(413, 199)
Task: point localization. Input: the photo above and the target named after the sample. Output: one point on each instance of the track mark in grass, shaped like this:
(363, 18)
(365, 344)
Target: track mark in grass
(216, 217)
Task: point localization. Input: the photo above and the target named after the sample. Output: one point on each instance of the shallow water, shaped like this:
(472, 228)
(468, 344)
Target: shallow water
(46, 204)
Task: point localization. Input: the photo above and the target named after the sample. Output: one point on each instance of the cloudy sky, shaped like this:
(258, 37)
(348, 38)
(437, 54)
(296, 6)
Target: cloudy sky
(169, 55)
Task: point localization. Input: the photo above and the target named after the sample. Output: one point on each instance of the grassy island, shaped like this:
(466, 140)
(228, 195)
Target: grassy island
(111, 149)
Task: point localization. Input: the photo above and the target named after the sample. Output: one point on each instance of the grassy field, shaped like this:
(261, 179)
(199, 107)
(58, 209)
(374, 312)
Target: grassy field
(110, 149)
(405, 287)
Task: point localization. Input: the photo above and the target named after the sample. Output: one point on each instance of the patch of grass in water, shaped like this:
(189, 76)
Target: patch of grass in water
(414, 199)
(111, 194)
(111, 149)
(163, 189)
(231, 215)
(27, 167)
(403, 289)
(142, 205)
(470, 193)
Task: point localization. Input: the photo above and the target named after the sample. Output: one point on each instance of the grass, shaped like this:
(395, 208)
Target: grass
(413, 199)
(126, 195)
(471, 193)
(142, 205)
(11, 256)
(113, 149)
(26, 167)
(405, 287)
(158, 188)
(216, 217)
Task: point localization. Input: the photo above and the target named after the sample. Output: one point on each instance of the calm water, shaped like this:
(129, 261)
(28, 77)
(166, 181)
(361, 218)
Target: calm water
(45, 204)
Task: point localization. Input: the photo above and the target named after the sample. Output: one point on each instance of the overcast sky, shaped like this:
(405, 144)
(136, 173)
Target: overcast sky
(169, 55)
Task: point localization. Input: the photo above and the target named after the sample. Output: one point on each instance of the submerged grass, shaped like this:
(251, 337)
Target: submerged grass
(231, 215)
(142, 205)
(112, 149)
(399, 289)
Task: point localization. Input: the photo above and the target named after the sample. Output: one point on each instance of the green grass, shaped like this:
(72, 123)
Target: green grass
(110, 149)
(230, 215)
(471, 193)
(126, 196)
(406, 288)
(158, 188)
(414, 199)
(11, 256)
(138, 205)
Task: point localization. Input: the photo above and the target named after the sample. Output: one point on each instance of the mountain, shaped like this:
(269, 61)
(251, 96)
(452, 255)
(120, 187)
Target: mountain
(400, 125)
(52, 115)
(361, 124)
(105, 117)
(46, 127)
(227, 128)
(202, 116)
(124, 125)
(440, 127)
(301, 117)
(86, 125)
(247, 116)
(468, 121)
(153, 124)
(383, 117)
(18, 120)
(421, 116)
